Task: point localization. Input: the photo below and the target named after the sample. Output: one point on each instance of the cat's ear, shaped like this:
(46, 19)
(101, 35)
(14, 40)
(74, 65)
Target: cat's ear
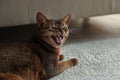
(41, 18)
(66, 19)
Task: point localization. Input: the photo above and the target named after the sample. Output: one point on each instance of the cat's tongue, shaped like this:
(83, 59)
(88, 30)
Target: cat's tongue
(58, 39)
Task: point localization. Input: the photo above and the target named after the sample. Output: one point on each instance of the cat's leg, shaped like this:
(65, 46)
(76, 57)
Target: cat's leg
(62, 66)
(61, 57)
(9, 76)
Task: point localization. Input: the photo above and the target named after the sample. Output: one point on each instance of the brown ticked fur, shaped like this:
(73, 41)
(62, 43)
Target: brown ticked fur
(39, 57)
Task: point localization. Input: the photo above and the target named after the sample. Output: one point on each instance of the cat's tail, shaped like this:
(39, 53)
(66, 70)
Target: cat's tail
(9, 76)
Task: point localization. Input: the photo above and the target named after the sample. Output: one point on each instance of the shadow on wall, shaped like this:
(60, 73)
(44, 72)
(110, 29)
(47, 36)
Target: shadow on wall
(95, 28)
(80, 31)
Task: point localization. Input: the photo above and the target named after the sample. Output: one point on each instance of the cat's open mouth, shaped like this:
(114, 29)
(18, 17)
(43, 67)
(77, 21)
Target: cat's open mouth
(57, 39)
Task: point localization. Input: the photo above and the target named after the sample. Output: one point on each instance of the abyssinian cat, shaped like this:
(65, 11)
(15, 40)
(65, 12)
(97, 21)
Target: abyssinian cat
(39, 57)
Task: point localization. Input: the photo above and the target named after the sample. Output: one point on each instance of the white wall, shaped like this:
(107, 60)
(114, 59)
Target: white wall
(17, 12)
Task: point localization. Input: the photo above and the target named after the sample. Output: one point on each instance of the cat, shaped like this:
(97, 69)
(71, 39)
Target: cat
(37, 58)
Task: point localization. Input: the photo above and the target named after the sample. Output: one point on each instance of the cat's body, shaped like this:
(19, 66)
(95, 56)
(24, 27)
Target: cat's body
(37, 58)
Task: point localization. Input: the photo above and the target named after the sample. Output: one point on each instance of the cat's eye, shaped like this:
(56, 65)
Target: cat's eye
(52, 28)
(64, 28)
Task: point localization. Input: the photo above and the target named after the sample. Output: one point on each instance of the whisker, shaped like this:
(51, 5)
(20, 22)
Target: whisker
(73, 30)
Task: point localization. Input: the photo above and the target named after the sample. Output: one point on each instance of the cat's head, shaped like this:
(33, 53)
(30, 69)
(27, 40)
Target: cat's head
(53, 32)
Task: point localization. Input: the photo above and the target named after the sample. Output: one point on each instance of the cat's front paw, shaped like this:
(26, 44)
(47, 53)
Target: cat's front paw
(74, 61)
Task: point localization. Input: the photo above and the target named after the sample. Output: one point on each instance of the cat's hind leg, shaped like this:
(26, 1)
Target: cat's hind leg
(9, 76)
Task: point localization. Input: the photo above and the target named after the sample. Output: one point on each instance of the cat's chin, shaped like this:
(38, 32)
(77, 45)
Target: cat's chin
(55, 45)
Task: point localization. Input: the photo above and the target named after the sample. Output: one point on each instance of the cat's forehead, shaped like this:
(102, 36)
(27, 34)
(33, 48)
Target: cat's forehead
(56, 23)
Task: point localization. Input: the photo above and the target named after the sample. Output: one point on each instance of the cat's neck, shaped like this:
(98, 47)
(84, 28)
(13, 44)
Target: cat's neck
(42, 44)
